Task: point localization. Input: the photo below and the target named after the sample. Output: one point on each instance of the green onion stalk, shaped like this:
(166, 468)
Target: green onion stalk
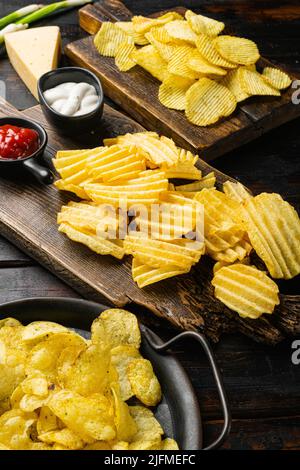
(16, 15)
(36, 13)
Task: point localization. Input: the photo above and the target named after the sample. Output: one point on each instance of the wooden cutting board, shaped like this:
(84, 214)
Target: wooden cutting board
(28, 219)
(136, 92)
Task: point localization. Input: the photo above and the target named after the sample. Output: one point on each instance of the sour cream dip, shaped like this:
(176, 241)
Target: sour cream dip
(72, 99)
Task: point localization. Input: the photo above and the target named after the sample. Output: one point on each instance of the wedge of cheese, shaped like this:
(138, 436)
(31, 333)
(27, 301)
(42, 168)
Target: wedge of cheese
(34, 52)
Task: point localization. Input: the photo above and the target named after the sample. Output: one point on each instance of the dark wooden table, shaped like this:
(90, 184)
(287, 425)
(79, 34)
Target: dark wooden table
(262, 383)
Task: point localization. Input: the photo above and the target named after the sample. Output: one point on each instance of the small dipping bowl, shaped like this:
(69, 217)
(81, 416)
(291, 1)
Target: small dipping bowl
(30, 163)
(71, 125)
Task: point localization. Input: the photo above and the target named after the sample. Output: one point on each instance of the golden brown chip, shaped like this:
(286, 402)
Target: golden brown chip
(207, 101)
(233, 82)
(121, 327)
(199, 64)
(123, 58)
(203, 25)
(253, 83)
(178, 63)
(173, 90)
(236, 191)
(207, 49)
(246, 290)
(108, 39)
(165, 50)
(180, 30)
(276, 78)
(145, 275)
(148, 428)
(237, 50)
(149, 58)
(142, 24)
(273, 228)
(127, 26)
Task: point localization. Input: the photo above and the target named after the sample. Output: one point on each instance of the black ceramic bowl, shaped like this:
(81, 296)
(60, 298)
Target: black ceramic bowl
(30, 163)
(70, 125)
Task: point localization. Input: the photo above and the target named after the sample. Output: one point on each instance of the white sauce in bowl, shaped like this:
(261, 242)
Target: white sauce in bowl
(72, 99)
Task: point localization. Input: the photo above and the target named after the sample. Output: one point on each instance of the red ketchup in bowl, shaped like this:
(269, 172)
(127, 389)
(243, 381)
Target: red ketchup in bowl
(17, 142)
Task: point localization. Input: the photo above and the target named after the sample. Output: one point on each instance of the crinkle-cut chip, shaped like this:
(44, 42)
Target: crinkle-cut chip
(173, 90)
(145, 275)
(125, 424)
(108, 39)
(204, 25)
(64, 437)
(144, 383)
(245, 290)
(72, 188)
(236, 191)
(218, 208)
(237, 252)
(222, 264)
(276, 78)
(47, 421)
(9, 322)
(207, 181)
(127, 27)
(142, 24)
(200, 65)
(182, 170)
(160, 34)
(178, 63)
(253, 83)
(35, 386)
(15, 426)
(233, 82)
(123, 59)
(89, 417)
(43, 357)
(169, 444)
(180, 30)
(37, 330)
(207, 101)
(94, 242)
(121, 327)
(207, 49)
(158, 253)
(165, 50)
(273, 228)
(116, 163)
(121, 356)
(148, 427)
(88, 374)
(157, 150)
(149, 58)
(237, 50)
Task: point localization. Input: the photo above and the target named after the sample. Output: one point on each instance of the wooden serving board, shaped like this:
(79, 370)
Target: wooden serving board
(28, 219)
(136, 92)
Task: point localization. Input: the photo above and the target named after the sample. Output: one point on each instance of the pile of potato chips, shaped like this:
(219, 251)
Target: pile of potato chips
(59, 391)
(144, 168)
(202, 72)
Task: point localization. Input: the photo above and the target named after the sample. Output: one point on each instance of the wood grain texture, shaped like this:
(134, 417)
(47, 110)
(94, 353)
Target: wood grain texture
(186, 301)
(136, 92)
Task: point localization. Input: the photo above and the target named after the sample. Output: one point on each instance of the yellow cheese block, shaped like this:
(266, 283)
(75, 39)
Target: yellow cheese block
(34, 52)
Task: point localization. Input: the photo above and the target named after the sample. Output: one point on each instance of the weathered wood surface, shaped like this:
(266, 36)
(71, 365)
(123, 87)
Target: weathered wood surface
(136, 92)
(187, 301)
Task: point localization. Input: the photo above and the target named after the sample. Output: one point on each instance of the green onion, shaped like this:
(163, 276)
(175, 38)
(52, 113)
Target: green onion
(16, 15)
(11, 28)
(49, 9)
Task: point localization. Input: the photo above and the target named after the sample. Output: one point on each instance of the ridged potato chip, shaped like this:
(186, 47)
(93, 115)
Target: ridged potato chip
(233, 82)
(207, 101)
(160, 34)
(204, 25)
(237, 50)
(128, 28)
(246, 290)
(94, 242)
(180, 30)
(178, 63)
(173, 90)
(142, 24)
(253, 83)
(123, 58)
(207, 49)
(199, 64)
(207, 181)
(276, 78)
(236, 191)
(165, 50)
(145, 275)
(149, 58)
(273, 228)
(108, 39)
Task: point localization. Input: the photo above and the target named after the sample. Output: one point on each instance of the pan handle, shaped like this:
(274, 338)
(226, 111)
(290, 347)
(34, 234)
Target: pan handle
(216, 373)
(41, 173)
